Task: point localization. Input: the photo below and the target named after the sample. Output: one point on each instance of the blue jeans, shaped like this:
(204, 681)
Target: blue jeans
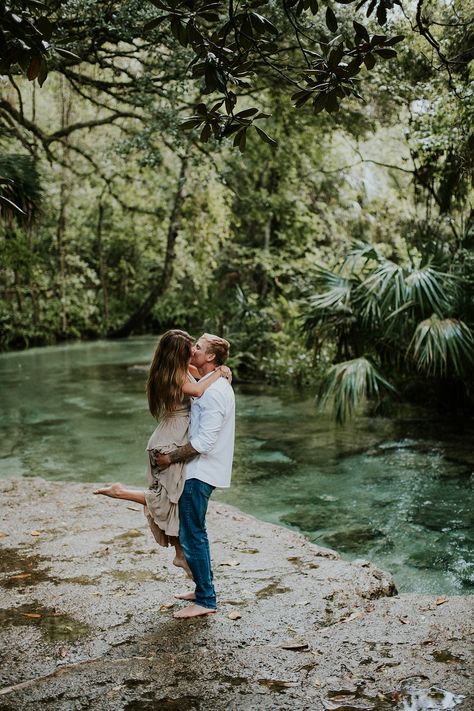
(194, 541)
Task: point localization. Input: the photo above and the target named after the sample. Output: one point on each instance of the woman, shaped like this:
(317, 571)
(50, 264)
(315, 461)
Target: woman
(169, 387)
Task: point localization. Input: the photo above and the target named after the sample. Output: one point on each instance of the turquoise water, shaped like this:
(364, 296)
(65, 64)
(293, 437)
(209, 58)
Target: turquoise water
(396, 491)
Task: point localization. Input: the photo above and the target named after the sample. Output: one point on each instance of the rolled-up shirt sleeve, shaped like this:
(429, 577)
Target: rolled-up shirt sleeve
(210, 424)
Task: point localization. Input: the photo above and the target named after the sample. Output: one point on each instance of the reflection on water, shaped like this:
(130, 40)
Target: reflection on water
(396, 492)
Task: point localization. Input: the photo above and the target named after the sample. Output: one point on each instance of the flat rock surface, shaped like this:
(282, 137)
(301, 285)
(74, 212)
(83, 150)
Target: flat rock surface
(86, 603)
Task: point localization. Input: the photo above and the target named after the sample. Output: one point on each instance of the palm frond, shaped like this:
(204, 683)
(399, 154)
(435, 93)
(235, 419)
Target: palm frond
(428, 289)
(348, 385)
(442, 346)
(387, 283)
(332, 305)
(361, 252)
(21, 185)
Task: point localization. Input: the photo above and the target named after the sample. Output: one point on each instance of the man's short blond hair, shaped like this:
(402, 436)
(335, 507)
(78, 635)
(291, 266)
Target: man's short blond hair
(218, 346)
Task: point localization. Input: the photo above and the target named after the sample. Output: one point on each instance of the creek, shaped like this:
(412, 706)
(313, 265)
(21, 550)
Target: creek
(394, 490)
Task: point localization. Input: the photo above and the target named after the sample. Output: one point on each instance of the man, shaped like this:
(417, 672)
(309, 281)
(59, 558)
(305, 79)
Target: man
(209, 465)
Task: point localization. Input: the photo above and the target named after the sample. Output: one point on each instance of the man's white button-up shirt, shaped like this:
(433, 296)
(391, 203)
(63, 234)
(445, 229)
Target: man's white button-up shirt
(212, 433)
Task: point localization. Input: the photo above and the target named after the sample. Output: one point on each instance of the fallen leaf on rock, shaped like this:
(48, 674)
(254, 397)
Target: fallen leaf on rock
(3, 534)
(133, 508)
(441, 600)
(166, 606)
(331, 706)
(35, 533)
(20, 576)
(234, 615)
(294, 645)
(353, 616)
(277, 683)
(231, 563)
(31, 615)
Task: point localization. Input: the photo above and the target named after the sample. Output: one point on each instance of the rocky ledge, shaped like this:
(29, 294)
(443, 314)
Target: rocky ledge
(86, 604)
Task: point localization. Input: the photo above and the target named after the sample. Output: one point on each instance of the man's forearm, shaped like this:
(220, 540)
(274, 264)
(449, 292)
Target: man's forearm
(181, 454)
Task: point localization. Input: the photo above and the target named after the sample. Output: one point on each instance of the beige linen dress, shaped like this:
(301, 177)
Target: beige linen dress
(165, 487)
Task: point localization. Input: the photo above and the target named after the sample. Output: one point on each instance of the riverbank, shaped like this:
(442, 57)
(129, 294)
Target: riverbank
(86, 609)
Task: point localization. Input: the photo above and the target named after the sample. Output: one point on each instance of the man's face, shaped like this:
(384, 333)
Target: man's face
(199, 356)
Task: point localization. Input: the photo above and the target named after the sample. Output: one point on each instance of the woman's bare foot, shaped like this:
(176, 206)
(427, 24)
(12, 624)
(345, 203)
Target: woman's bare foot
(186, 596)
(115, 491)
(193, 611)
(181, 563)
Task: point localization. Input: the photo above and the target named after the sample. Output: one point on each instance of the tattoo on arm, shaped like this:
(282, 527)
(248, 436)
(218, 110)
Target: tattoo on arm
(180, 454)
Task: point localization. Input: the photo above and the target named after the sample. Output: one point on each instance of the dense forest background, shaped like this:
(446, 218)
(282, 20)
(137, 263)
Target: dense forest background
(344, 253)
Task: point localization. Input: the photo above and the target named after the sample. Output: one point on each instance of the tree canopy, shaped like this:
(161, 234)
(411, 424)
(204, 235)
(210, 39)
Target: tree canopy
(223, 51)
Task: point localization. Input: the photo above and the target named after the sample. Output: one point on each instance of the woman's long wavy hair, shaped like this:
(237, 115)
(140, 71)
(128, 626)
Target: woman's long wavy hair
(168, 372)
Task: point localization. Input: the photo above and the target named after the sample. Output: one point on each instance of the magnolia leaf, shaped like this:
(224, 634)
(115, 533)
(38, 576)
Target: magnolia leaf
(246, 113)
(151, 24)
(331, 20)
(33, 69)
(45, 27)
(265, 137)
(386, 52)
(369, 61)
(206, 133)
(43, 72)
(395, 40)
(361, 31)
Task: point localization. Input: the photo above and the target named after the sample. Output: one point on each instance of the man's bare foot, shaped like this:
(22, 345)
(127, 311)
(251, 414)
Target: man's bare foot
(193, 611)
(181, 563)
(115, 491)
(186, 596)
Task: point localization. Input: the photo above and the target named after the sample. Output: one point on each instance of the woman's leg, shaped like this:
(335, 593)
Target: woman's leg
(179, 560)
(118, 491)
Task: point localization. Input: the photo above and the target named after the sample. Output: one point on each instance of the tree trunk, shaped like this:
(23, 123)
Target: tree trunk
(137, 319)
(102, 265)
(64, 196)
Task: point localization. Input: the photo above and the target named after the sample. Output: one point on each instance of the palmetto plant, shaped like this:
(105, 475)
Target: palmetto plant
(20, 189)
(385, 319)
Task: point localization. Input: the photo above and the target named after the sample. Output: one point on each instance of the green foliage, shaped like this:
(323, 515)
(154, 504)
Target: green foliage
(401, 315)
(356, 222)
(350, 384)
